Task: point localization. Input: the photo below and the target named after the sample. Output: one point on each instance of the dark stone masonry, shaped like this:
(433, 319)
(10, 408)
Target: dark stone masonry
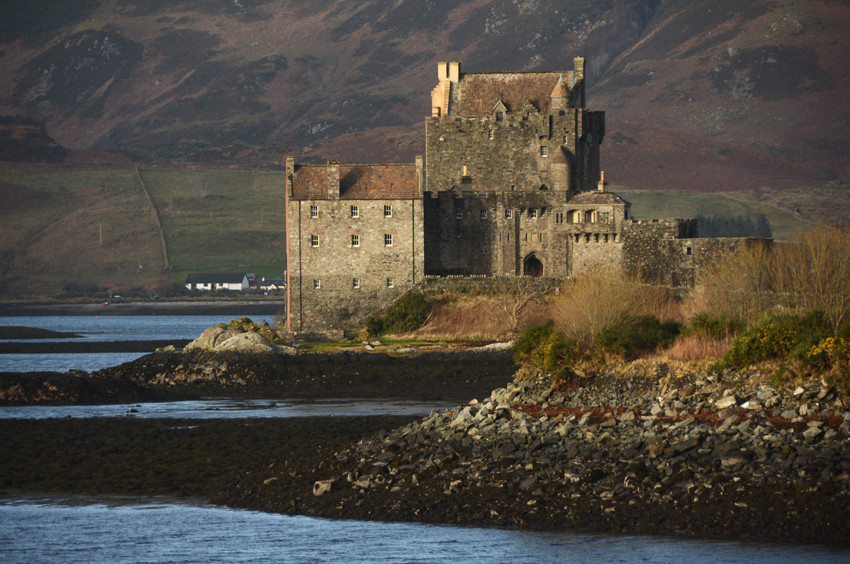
(510, 185)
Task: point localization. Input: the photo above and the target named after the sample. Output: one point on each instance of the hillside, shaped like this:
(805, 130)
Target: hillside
(703, 97)
(75, 228)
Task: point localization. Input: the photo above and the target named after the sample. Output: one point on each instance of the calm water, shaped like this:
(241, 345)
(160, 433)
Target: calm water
(90, 530)
(227, 408)
(102, 328)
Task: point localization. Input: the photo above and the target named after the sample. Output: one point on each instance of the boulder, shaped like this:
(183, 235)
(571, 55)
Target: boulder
(217, 339)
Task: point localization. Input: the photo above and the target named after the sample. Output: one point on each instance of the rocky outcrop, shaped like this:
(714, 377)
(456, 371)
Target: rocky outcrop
(710, 455)
(232, 340)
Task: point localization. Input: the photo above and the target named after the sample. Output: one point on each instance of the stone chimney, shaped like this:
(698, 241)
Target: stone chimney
(333, 180)
(419, 163)
(290, 171)
(601, 184)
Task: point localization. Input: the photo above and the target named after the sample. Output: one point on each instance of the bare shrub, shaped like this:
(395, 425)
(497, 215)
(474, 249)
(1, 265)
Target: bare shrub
(697, 346)
(814, 273)
(738, 285)
(602, 297)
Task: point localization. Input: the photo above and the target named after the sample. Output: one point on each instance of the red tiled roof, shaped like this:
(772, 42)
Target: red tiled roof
(358, 182)
(477, 93)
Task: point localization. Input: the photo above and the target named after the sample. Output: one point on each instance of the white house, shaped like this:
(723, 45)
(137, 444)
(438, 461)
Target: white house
(237, 281)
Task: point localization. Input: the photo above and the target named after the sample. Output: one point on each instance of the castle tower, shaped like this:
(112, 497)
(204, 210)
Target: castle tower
(558, 103)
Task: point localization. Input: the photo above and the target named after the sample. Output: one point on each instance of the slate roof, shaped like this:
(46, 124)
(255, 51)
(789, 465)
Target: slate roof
(597, 197)
(476, 94)
(358, 182)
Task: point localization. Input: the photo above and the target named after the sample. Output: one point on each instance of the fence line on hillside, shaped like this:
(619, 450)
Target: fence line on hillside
(165, 264)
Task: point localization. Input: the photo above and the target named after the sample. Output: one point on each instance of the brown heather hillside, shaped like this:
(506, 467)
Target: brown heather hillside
(746, 99)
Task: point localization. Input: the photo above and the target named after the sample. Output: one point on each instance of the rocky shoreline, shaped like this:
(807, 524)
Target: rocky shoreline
(630, 450)
(191, 374)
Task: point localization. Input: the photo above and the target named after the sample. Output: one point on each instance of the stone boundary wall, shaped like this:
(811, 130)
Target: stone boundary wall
(483, 284)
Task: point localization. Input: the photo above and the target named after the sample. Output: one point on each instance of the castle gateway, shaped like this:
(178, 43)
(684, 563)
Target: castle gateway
(510, 185)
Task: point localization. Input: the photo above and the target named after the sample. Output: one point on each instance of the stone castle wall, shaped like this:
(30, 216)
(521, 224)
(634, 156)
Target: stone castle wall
(336, 284)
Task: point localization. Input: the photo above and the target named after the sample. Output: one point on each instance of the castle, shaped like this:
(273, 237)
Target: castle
(510, 185)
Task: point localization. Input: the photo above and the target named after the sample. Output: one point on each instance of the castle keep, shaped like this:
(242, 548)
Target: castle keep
(510, 186)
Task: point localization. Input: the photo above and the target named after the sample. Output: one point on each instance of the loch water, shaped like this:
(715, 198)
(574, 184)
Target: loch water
(64, 530)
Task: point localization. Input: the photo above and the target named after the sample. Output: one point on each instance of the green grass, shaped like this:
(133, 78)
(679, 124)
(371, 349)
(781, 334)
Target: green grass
(647, 205)
(220, 220)
(95, 226)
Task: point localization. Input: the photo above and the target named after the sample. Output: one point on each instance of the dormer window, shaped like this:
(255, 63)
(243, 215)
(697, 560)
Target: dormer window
(499, 111)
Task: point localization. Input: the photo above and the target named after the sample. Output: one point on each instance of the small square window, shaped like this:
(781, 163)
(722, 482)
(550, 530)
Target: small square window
(459, 213)
(532, 213)
(388, 211)
(355, 211)
(388, 240)
(316, 284)
(509, 214)
(483, 214)
(390, 283)
(355, 283)
(314, 240)
(314, 212)
(355, 240)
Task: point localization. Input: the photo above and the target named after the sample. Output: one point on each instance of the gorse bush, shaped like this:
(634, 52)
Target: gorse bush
(779, 337)
(409, 312)
(636, 335)
(547, 349)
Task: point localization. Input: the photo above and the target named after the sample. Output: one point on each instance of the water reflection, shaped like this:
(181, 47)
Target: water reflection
(228, 408)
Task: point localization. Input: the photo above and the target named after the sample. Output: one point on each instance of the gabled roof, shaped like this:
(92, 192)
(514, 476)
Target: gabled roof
(358, 182)
(215, 278)
(475, 94)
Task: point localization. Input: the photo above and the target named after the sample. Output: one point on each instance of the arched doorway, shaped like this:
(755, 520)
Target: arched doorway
(532, 266)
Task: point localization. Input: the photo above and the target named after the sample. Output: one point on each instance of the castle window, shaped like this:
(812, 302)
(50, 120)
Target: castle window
(590, 216)
(688, 250)
(388, 210)
(500, 116)
(388, 240)
(544, 151)
(483, 214)
(509, 214)
(532, 213)
(536, 237)
(314, 212)
(355, 211)
(559, 217)
(459, 213)
(355, 240)
(355, 283)
(316, 284)
(604, 217)
(314, 240)
(574, 216)
(491, 133)
(390, 283)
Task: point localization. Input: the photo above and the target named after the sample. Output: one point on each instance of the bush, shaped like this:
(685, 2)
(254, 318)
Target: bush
(603, 297)
(246, 325)
(777, 337)
(528, 344)
(636, 335)
(409, 312)
(547, 349)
